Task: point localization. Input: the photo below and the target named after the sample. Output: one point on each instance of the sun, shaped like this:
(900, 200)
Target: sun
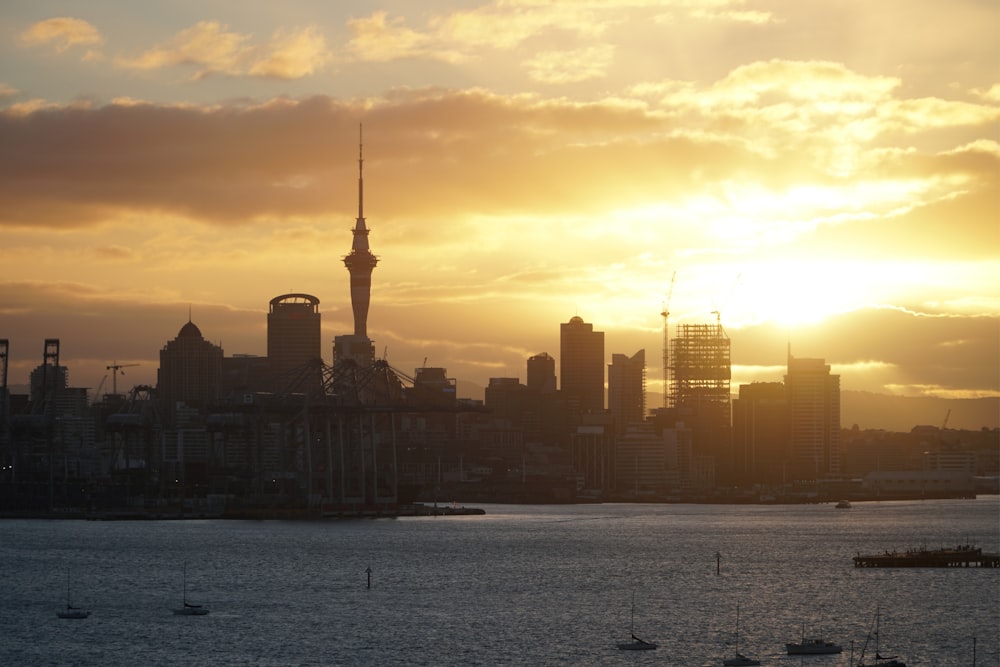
(795, 293)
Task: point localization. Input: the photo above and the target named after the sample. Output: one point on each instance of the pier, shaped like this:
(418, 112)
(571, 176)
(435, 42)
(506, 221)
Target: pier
(960, 556)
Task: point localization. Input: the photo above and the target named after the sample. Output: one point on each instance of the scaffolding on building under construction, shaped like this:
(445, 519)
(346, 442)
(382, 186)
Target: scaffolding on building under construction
(700, 366)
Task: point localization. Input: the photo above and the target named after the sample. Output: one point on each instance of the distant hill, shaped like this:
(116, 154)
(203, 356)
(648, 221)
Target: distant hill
(902, 413)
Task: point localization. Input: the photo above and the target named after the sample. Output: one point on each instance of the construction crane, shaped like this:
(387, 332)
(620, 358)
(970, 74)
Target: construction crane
(117, 368)
(941, 443)
(666, 340)
(97, 392)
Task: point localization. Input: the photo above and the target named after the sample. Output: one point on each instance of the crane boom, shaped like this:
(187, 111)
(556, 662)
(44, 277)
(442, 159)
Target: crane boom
(117, 368)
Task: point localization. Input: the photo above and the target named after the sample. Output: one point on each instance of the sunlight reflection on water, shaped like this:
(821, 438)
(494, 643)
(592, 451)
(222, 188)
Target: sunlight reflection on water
(522, 585)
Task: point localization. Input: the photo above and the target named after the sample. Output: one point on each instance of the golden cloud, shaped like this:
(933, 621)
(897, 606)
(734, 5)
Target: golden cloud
(212, 48)
(63, 32)
(571, 66)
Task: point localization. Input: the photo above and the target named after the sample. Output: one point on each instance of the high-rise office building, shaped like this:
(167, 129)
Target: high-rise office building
(760, 434)
(190, 370)
(542, 373)
(360, 263)
(581, 366)
(293, 343)
(814, 417)
(627, 389)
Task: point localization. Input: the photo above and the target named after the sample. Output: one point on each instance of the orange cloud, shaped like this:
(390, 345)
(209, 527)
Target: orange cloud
(62, 32)
(212, 48)
(571, 66)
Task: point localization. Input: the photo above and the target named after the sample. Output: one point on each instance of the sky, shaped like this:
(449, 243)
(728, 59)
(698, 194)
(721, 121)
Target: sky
(815, 176)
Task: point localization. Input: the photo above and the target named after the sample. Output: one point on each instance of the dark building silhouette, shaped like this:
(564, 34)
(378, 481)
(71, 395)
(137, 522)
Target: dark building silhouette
(506, 397)
(760, 434)
(814, 417)
(190, 370)
(581, 368)
(360, 263)
(699, 394)
(294, 343)
(627, 389)
(542, 373)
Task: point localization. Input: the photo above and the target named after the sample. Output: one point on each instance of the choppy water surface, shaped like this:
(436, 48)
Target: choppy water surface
(522, 585)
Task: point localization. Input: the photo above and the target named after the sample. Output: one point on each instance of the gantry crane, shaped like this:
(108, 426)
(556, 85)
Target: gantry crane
(117, 368)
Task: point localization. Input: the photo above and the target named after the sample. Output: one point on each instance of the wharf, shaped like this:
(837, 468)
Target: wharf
(960, 556)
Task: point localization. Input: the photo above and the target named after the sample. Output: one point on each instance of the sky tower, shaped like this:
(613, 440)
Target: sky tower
(359, 262)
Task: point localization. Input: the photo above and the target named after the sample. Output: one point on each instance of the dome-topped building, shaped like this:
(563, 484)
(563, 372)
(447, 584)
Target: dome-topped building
(190, 370)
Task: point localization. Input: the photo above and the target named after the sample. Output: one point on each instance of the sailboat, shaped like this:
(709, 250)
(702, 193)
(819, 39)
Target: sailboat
(71, 611)
(189, 609)
(880, 660)
(739, 660)
(636, 644)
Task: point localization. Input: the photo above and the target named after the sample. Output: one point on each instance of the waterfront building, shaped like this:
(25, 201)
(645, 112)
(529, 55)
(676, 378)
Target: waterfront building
(190, 371)
(581, 365)
(641, 462)
(592, 454)
(760, 434)
(627, 389)
(294, 344)
(814, 418)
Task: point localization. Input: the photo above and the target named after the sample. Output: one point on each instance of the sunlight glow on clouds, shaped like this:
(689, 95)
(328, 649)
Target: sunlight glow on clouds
(212, 48)
(569, 66)
(525, 161)
(63, 33)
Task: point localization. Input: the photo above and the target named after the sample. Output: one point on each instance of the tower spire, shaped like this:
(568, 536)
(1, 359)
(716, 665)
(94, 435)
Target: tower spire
(360, 261)
(361, 179)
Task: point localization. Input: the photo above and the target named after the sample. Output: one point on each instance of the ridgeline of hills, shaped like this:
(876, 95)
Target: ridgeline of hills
(876, 411)
(901, 413)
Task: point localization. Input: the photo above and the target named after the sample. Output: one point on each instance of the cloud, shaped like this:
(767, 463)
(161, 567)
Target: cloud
(571, 66)
(292, 55)
(63, 33)
(377, 38)
(212, 48)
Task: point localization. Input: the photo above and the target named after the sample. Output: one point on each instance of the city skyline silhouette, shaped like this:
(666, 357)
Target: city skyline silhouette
(840, 199)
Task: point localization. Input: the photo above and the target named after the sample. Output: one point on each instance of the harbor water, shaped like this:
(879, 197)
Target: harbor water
(520, 585)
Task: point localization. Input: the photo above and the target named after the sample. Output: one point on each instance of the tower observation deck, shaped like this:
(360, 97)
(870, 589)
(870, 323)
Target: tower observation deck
(359, 262)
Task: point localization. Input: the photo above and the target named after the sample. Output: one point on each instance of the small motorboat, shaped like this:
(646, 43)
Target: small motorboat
(843, 505)
(813, 647)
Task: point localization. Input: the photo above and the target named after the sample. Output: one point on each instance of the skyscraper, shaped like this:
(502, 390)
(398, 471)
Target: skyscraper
(359, 262)
(581, 367)
(542, 373)
(190, 370)
(814, 417)
(294, 344)
(760, 434)
(627, 389)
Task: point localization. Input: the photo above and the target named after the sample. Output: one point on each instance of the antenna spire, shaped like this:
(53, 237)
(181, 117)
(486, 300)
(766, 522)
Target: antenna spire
(361, 180)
